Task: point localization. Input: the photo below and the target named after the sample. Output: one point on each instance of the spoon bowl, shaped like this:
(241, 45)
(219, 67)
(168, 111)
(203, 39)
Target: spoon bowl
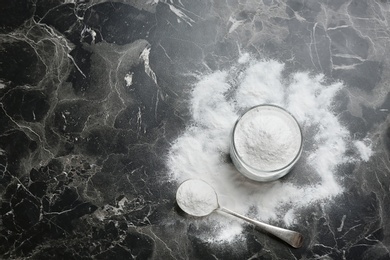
(197, 198)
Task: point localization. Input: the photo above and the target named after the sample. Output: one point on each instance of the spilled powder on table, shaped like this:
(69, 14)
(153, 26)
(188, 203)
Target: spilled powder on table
(364, 148)
(202, 151)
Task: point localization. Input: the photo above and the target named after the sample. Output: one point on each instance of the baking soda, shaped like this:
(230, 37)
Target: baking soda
(202, 150)
(196, 198)
(267, 138)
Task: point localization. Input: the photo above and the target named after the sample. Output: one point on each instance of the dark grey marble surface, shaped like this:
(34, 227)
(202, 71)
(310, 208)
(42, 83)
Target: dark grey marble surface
(83, 151)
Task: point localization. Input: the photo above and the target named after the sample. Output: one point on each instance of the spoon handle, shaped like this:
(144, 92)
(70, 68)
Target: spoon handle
(292, 238)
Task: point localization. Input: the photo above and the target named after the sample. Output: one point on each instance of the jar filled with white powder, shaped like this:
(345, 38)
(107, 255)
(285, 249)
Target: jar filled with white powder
(266, 142)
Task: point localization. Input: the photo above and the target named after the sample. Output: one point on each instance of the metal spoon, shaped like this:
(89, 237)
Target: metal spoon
(198, 198)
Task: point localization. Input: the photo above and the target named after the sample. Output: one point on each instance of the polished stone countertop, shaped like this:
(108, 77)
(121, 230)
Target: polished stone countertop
(107, 106)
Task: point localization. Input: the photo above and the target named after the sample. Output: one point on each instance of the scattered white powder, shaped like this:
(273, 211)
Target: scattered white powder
(289, 218)
(202, 150)
(267, 138)
(364, 149)
(196, 198)
(244, 58)
(226, 234)
(129, 79)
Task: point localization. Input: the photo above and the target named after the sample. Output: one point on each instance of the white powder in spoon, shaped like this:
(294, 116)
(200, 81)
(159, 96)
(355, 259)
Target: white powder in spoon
(267, 138)
(196, 198)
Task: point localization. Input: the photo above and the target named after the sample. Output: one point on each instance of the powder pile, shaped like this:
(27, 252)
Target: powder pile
(267, 138)
(202, 150)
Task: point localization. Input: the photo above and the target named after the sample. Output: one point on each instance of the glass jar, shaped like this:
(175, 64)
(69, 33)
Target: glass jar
(266, 142)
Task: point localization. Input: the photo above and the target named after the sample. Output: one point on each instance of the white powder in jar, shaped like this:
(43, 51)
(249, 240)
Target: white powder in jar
(267, 138)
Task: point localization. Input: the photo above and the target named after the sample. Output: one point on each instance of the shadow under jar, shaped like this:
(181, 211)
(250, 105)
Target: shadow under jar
(266, 142)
